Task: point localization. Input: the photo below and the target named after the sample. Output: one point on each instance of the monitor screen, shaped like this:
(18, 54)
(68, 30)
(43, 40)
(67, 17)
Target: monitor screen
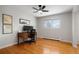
(26, 28)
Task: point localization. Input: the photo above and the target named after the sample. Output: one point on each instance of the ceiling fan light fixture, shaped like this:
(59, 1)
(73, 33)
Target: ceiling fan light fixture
(40, 9)
(40, 12)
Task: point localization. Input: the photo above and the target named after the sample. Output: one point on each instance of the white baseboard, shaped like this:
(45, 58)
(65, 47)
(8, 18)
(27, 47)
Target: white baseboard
(59, 40)
(66, 41)
(8, 45)
(75, 46)
(53, 39)
(50, 38)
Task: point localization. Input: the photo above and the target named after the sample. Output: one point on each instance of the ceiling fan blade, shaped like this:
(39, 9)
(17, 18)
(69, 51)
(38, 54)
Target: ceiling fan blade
(35, 8)
(43, 7)
(45, 10)
(35, 11)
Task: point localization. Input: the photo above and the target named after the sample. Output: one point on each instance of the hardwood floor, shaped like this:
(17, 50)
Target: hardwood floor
(41, 46)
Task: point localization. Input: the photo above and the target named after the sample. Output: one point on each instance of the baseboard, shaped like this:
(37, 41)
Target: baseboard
(8, 45)
(66, 41)
(51, 38)
(75, 46)
(58, 40)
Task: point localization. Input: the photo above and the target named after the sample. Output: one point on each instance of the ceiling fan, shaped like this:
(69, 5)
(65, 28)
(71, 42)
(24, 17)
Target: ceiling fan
(40, 8)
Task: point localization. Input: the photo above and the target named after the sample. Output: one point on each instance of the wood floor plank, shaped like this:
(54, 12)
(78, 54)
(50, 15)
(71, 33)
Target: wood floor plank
(42, 46)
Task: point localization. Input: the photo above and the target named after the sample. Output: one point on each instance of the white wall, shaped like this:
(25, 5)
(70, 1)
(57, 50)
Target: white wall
(17, 12)
(64, 33)
(75, 26)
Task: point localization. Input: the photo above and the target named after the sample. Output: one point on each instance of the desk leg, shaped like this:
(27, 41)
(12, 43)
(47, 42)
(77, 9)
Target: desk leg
(18, 41)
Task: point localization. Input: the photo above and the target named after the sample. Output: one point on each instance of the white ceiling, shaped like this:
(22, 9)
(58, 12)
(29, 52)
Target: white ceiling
(53, 9)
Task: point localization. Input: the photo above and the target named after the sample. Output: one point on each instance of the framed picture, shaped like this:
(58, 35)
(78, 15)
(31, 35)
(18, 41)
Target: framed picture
(7, 29)
(6, 23)
(24, 21)
(7, 19)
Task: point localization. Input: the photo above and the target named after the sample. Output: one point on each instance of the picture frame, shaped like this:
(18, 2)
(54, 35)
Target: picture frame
(24, 21)
(6, 24)
(7, 29)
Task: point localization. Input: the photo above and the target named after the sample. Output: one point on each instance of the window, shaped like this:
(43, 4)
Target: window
(52, 24)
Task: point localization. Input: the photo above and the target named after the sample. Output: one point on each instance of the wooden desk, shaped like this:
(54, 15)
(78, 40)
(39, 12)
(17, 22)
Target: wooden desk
(22, 35)
(25, 35)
